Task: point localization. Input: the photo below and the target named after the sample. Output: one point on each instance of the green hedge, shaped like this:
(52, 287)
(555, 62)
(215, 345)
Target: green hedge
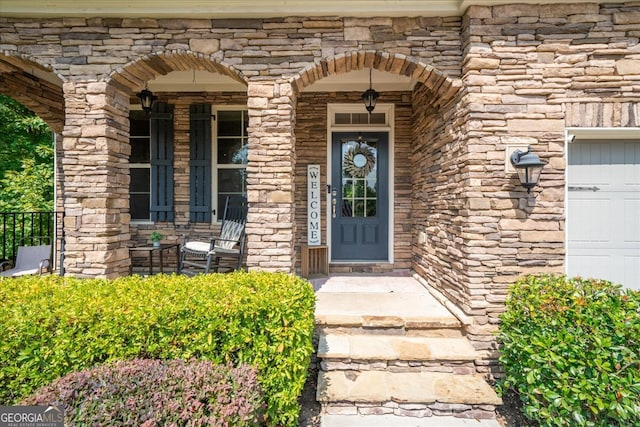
(52, 326)
(570, 348)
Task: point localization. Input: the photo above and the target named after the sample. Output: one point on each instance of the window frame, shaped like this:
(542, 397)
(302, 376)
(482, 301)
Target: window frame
(140, 166)
(215, 166)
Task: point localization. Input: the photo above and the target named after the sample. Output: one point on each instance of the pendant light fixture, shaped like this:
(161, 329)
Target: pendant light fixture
(146, 99)
(370, 96)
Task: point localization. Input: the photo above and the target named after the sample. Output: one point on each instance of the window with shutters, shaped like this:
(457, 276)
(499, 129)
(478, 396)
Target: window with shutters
(140, 166)
(151, 164)
(218, 158)
(230, 154)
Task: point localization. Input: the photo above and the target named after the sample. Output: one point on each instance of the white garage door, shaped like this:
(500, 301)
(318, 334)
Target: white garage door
(603, 223)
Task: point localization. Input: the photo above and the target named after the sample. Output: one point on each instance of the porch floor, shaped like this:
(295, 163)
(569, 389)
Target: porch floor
(373, 300)
(390, 354)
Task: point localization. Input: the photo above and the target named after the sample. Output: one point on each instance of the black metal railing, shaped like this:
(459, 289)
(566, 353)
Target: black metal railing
(29, 228)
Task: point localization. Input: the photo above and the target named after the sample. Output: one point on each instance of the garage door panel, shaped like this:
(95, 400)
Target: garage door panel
(603, 208)
(589, 266)
(631, 270)
(631, 222)
(591, 212)
(631, 169)
(589, 164)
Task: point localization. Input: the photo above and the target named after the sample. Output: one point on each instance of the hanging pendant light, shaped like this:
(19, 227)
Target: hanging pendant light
(146, 99)
(370, 96)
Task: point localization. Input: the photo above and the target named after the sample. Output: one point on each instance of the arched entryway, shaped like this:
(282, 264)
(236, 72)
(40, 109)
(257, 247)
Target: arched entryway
(329, 113)
(102, 143)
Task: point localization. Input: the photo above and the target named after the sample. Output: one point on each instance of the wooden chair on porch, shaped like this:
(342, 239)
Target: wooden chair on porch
(205, 257)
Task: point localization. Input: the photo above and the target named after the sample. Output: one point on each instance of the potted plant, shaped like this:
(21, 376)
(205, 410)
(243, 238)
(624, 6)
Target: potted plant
(155, 237)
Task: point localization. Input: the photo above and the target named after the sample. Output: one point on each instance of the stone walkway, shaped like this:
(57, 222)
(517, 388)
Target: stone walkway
(391, 355)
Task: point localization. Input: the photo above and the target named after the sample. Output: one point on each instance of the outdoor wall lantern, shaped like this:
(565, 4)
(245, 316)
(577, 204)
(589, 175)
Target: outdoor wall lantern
(146, 99)
(528, 166)
(370, 96)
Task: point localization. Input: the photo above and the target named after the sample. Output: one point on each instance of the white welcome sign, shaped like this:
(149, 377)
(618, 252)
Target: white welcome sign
(313, 205)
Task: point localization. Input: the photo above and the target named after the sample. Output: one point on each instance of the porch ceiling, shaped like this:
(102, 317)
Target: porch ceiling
(199, 81)
(222, 9)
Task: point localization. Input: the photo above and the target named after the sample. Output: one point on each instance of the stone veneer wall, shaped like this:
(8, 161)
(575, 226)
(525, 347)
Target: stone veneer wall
(440, 167)
(266, 54)
(95, 164)
(529, 71)
(311, 148)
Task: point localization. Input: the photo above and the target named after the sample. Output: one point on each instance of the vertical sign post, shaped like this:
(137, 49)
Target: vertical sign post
(313, 205)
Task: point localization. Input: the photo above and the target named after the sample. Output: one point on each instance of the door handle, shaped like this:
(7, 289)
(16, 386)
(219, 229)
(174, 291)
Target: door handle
(333, 207)
(578, 188)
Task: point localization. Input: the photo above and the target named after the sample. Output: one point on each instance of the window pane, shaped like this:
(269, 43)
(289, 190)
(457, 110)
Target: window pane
(359, 178)
(343, 118)
(138, 123)
(359, 187)
(140, 181)
(377, 118)
(222, 199)
(231, 181)
(232, 151)
(230, 123)
(360, 118)
(140, 150)
(358, 207)
(371, 208)
(140, 206)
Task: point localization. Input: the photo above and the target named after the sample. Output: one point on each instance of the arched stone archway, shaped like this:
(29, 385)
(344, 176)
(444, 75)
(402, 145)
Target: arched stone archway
(133, 76)
(437, 92)
(97, 149)
(442, 87)
(35, 86)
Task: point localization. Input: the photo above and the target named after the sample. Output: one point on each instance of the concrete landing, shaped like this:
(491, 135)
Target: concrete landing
(380, 302)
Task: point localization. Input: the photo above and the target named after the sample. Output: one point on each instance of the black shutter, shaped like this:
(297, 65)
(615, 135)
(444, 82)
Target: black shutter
(200, 163)
(162, 162)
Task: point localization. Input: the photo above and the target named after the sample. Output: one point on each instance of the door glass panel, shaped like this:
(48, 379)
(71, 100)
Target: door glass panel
(359, 178)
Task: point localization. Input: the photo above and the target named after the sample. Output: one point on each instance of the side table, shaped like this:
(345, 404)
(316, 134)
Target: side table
(150, 250)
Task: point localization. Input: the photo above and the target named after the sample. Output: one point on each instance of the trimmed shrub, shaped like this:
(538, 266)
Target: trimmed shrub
(151, 393)
(571, 351)
(52, 326)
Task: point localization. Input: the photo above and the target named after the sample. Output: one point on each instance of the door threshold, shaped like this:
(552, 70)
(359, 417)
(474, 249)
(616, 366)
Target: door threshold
(360, 262)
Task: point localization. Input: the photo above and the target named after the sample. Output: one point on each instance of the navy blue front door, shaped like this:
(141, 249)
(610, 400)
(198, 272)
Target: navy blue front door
(359, 197)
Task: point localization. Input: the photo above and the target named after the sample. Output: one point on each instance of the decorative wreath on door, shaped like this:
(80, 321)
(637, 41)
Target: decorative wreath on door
(359, 161)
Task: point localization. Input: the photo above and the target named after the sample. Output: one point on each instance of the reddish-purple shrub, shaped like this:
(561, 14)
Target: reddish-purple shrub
(151, 393)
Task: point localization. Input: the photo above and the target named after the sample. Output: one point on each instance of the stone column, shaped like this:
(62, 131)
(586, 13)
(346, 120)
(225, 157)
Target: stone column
(95, 168)
(270, 176)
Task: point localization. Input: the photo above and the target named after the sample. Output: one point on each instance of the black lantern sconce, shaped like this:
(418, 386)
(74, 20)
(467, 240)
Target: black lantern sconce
(528, 166)
(146, 99)
(370, 96)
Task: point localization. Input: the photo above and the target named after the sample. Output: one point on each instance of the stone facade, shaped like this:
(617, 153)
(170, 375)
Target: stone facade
(495, 77)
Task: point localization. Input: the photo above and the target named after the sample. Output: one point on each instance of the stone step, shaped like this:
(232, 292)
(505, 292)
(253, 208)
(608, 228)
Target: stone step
(394, 310)
(379, 387)
(367, 347)
(391, 420)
